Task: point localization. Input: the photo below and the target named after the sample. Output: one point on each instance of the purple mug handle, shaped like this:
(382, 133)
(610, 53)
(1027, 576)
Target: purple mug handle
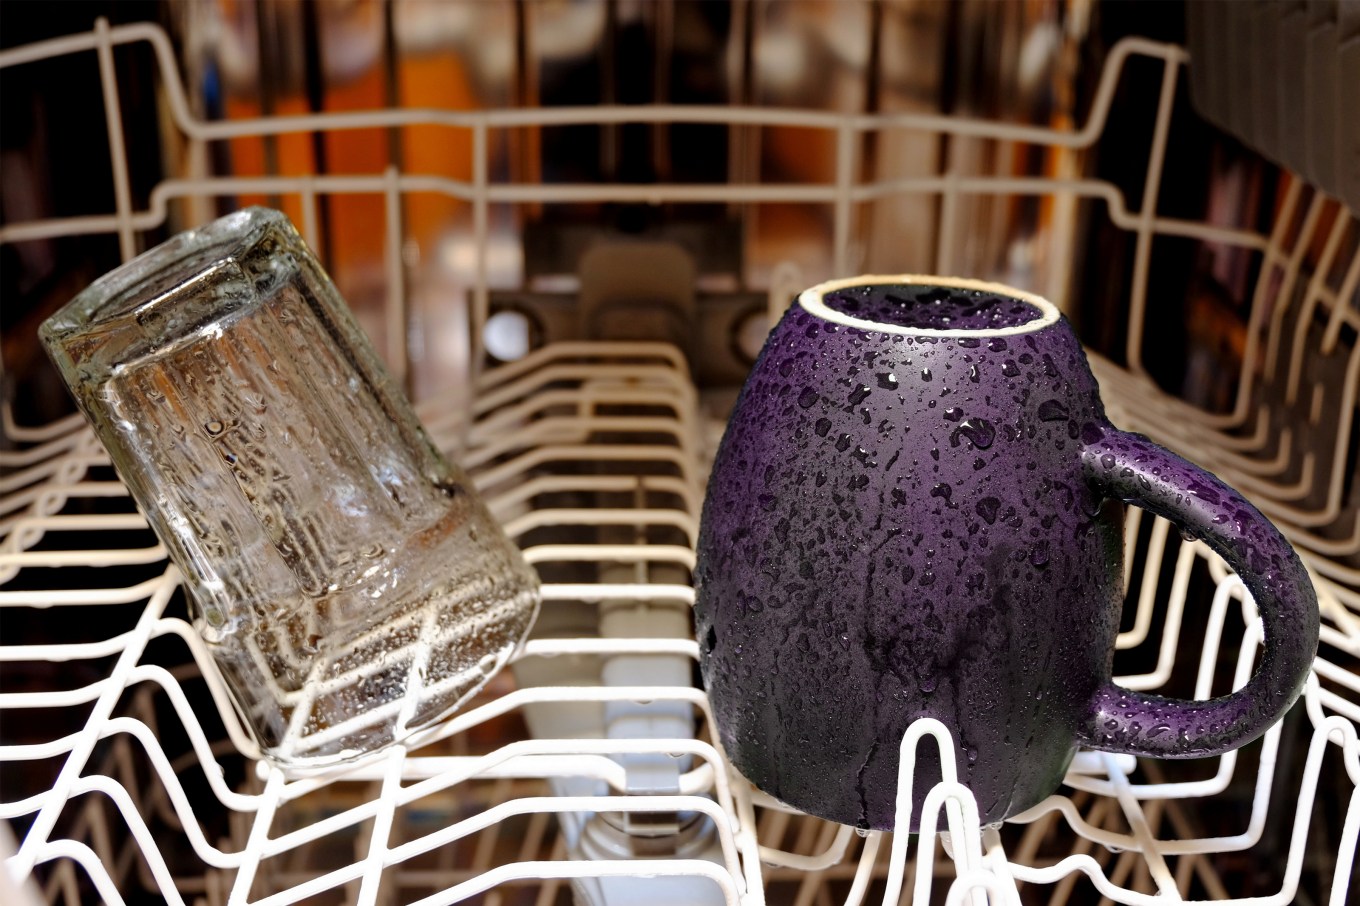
(1131, 468)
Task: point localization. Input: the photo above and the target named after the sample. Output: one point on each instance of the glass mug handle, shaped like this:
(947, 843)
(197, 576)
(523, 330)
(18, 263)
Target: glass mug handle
(1131, 468)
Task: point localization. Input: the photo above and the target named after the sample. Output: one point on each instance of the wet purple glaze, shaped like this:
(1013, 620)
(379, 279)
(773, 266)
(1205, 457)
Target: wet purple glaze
(903, 526)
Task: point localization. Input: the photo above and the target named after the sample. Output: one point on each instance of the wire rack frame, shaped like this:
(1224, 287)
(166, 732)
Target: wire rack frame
(846, 191)
(979, 860)
(1112, 825)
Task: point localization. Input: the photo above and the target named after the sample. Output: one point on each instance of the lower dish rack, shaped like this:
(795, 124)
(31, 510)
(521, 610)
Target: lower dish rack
(587, 770)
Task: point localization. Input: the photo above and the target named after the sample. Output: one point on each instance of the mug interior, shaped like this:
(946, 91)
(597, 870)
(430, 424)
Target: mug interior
(925, 306)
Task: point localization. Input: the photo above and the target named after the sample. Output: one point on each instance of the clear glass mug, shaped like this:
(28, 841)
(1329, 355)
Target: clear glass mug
(349, 583)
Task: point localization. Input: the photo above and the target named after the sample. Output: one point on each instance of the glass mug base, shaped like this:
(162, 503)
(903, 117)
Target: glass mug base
(349, 584)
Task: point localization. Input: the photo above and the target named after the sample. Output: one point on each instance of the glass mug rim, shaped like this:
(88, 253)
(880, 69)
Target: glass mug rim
(813, 301)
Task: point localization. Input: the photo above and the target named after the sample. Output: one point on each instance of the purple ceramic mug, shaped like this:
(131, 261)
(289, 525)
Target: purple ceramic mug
(917, 511)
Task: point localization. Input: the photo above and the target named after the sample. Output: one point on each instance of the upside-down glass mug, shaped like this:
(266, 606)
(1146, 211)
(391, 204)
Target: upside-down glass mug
(348, 582)
(917, 511)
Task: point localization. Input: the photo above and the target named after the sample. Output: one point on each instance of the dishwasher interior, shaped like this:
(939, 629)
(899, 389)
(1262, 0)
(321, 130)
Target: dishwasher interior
(568, 227)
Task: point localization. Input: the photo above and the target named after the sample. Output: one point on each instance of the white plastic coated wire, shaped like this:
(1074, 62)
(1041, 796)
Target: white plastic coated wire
(437, 820)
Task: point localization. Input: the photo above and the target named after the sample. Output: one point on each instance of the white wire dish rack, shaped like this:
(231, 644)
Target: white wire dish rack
(588, 770)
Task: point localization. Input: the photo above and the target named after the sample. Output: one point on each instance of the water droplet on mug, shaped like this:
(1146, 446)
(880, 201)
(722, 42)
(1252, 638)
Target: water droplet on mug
(808, 398)
(925, 374)
(887, 381)
(1052, 411)
(1038, 556)
(822, 427)
(1010, 369)
(978, 430)
(858, 394)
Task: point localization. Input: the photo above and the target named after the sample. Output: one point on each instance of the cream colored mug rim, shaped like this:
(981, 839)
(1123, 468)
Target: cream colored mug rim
(812, 302)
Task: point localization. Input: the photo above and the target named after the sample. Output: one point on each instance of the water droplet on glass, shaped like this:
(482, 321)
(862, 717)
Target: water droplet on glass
(214, 427)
